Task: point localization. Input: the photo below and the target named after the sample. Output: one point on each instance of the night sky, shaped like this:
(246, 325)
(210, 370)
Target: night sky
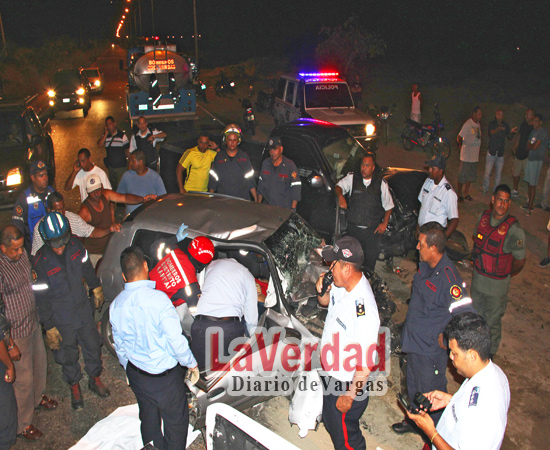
(453, 31)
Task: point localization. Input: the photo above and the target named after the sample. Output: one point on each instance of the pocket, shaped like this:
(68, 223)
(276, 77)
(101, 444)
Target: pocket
(435, 206)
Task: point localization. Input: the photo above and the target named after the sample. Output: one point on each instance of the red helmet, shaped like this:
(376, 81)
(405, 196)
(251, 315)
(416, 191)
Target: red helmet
(202, 249)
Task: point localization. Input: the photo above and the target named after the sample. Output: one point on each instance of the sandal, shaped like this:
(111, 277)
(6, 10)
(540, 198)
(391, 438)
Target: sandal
(47, 403)
(31, 433)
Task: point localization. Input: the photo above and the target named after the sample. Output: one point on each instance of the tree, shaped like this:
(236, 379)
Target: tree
(348, 44)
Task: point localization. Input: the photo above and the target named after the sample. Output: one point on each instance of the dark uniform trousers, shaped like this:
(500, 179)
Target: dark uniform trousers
(344, 429)
(426, 373)
(370, 243)
(8, 413)
(161, 397)
(231, 330)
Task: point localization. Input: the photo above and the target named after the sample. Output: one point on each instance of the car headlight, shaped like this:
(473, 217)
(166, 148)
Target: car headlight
(51, 93)
(97, 83)
(80, 91)
(370, 129)
(15, 177)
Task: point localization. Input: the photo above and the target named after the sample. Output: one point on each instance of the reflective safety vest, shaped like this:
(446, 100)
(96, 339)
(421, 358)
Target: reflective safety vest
(35, 209)
(489, 257)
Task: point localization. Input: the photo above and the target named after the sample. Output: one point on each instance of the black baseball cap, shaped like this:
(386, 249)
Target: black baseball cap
(274, 142)
(37, 166)
(346, 249)
(437, 161)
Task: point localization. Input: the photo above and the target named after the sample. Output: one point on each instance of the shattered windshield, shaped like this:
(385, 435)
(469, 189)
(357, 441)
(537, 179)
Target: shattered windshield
(291, 246)
(343, 153)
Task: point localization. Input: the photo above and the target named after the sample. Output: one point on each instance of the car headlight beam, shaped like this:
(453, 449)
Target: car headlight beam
(370, 129)
(15, 177)
(51, 93)
(97, 83)
(80, 91)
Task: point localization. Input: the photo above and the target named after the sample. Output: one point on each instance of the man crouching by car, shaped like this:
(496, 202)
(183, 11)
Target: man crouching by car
(150, 346)
(352, 319)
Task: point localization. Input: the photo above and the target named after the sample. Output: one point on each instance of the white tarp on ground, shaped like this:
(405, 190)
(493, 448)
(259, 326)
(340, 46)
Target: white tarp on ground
(119, 431)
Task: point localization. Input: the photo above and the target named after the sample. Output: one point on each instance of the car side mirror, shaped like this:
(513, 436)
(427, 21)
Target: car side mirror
(316, 182)
(36, 140)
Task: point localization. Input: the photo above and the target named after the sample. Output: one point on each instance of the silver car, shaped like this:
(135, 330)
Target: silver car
(275, 244)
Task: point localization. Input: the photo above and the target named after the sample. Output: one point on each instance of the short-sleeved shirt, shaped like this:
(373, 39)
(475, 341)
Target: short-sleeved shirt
(438, 202)
(437, 295)
(82, 176)
(198, 166)
(477, 414)
(346, 184)
(115, 146)
(524, 133)
(149, 184)
(353, 317)
(514, 243)
(471, 141)
(540, 134)
(133, 145)
(498, 140)
(280, 185)
(232, 176)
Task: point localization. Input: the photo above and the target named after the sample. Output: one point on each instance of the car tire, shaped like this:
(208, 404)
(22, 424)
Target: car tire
(407, 144)
(107, 332)
(442, 148)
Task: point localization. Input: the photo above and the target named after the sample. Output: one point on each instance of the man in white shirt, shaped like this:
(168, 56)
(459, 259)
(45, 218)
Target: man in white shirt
(438, 201)
(82, 169)
(146, 139)
(352, 321)
(469, 141)
(475, 417)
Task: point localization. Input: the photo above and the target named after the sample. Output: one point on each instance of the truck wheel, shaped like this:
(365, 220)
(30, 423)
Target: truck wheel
(107, 332)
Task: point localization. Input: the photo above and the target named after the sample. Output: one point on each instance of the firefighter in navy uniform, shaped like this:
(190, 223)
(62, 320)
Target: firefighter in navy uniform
(30, 206)
(231, 172)
(437, 295)
(498, 254)
(63, 306)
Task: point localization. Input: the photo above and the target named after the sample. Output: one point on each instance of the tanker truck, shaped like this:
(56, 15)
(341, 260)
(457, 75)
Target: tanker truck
(159, 84)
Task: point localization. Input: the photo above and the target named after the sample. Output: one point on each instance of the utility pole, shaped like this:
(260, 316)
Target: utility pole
(3, 37)
(140, 26)
(153, 16)
(196, 33)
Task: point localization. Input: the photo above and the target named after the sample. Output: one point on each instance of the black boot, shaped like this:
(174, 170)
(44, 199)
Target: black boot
(76, 396)
(96, 385)
(403, 427)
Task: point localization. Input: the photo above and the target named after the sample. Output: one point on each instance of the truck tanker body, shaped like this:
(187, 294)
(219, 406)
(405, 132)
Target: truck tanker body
(159, 85)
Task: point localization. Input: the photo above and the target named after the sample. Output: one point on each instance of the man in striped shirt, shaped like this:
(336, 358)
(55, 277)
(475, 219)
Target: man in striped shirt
(26, 347)
(116, 144)
(79, 227)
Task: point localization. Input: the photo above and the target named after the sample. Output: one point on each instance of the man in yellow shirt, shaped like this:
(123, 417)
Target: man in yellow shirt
(196, 161)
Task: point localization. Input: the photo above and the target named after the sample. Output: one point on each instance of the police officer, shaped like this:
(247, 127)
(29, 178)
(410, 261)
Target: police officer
(229, 300)
(279, 182)
(30, 206)
(176, 273)
(498, 254)
(370, 207)
(352, 321)
(437, 197)
(437, 295)
(146, 139)
(231, 172)
(63, 306)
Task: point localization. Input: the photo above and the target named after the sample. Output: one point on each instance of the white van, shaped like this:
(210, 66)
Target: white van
(323, 96)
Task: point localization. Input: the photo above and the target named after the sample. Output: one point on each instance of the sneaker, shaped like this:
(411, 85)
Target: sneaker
(76, 397)
(96, 385)
(514, 193)
(545, 262)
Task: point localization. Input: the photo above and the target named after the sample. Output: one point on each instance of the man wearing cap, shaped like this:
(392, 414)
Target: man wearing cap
(97, 212)
(370, 207)
(83, 168)
(437, 295)
(30, 206)
(437, 197)
(231, 172)
(279, 183)
(352, 321)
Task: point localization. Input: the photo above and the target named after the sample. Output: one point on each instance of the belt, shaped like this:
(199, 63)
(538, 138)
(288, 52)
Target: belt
(218, 319)
(147, 374)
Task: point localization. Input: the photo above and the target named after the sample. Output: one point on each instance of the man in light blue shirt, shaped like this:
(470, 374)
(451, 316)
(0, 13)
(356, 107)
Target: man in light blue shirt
(229, 300)
(150, 345)
(140, 180)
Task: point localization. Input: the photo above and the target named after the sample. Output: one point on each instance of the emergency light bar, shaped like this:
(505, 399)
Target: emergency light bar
(318, 74)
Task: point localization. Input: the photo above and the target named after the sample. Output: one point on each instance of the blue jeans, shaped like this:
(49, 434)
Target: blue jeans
(492, 161)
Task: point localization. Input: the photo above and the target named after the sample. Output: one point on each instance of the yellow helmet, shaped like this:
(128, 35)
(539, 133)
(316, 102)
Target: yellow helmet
(232, 128)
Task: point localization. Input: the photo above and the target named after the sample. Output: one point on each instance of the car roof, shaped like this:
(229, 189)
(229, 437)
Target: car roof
(212, 215)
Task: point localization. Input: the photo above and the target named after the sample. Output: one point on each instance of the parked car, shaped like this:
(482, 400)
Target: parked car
(23, 139)
(95, 77)
(275, 244)
(70, 90)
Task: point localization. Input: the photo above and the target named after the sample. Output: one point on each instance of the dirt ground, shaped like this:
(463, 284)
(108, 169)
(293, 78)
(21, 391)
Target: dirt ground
(526, 325)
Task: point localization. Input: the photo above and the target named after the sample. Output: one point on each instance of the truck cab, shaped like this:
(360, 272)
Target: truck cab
(323, 96)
